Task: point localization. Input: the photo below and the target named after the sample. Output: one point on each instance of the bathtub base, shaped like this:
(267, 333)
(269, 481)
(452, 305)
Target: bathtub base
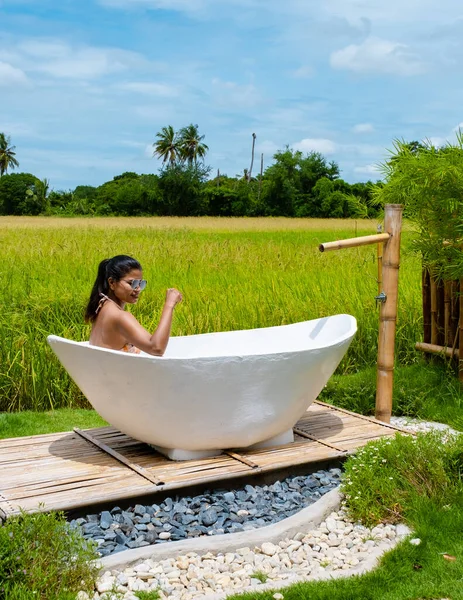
(287, 437)
(179, 454)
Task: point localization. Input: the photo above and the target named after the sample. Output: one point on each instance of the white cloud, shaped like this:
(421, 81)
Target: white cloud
(363, 128)
(367, 170)
(150, 88)
(267, 147)
(188, 6)
(17, 129)
(59, 59)
(458, 127)
(377, 56)
(315, 145)
(178, 5)
(11, 76)
(234, 94)
(393, 11)
(304, 72)
(437, 141)
(132, 144)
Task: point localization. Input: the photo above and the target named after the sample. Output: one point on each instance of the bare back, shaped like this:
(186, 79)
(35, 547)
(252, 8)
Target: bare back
(106, 330)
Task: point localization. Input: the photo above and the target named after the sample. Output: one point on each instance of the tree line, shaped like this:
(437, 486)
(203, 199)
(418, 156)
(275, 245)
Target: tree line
(296, 184)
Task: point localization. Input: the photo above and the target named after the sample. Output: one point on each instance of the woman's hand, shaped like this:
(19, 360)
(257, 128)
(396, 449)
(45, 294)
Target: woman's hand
(173, 297)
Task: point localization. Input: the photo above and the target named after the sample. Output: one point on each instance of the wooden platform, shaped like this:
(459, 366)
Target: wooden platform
(65, 471)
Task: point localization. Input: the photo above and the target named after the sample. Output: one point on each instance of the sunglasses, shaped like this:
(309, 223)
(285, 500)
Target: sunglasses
(136, 283)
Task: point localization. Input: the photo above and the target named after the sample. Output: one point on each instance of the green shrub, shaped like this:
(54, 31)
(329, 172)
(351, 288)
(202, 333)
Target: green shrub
(151, 595)
(42, 557)
(260, 575)
(384, 478)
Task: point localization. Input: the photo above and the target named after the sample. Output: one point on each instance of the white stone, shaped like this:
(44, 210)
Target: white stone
(415, 541)
(105, 585)
(183, 563)
(278, 596)
(269, 549)
(164, 535)
(331, 524)
(122, 579)
(141, 568)
(402, 530)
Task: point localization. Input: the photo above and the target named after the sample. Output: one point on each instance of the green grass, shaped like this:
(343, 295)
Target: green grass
(29, 422)
(260, 575)
(151, 595)
(427, 390)
(257, 273)
(418, 481)
(384, 479)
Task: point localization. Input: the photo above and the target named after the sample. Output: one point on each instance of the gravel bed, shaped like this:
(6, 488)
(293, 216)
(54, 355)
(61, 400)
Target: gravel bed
(420, 426)
(211, 513)
(337, 545)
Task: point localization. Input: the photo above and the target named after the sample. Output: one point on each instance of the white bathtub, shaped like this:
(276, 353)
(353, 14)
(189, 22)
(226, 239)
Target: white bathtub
(212, 391)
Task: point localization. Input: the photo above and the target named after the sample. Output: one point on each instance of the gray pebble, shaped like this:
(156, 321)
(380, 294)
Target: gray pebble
(210, 513)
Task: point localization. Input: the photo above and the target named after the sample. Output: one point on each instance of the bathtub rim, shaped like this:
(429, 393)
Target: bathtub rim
(339, 340)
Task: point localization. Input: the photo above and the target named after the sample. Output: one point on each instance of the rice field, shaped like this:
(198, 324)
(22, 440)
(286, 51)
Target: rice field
(233, 273)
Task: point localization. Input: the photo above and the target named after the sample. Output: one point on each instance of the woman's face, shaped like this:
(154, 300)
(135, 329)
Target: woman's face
(123, 290)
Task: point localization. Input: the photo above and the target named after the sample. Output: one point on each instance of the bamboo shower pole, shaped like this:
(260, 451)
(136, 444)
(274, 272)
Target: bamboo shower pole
(379, 252)
(388, 312)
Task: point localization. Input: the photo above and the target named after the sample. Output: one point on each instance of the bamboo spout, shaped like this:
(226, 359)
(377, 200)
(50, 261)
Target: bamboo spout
(354, 242)
(388, 312)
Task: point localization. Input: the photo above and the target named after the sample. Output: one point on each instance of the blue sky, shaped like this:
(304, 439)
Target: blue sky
(85, 85)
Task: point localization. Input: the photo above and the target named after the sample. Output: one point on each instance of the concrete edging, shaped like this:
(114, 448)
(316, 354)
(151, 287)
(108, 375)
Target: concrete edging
(306, 519)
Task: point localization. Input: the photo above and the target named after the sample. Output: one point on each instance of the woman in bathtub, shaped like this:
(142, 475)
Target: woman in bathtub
(119, 282)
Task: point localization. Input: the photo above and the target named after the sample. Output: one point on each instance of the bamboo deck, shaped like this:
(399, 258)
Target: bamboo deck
(65, 471)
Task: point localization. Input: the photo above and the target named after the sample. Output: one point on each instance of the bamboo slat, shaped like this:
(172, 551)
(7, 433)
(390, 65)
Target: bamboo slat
(454, 309)
(363, 417)
(311, 437)
(118, 457)
(67, 472)
(434, 349)
(434, 322)
(426, 306)
(242, 459)
(447, 310)
(440, 313)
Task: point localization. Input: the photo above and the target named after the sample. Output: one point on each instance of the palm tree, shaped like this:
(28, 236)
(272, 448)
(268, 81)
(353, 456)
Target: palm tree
(167, 146)
(191, 145)
(252, 157)
(7, 154)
